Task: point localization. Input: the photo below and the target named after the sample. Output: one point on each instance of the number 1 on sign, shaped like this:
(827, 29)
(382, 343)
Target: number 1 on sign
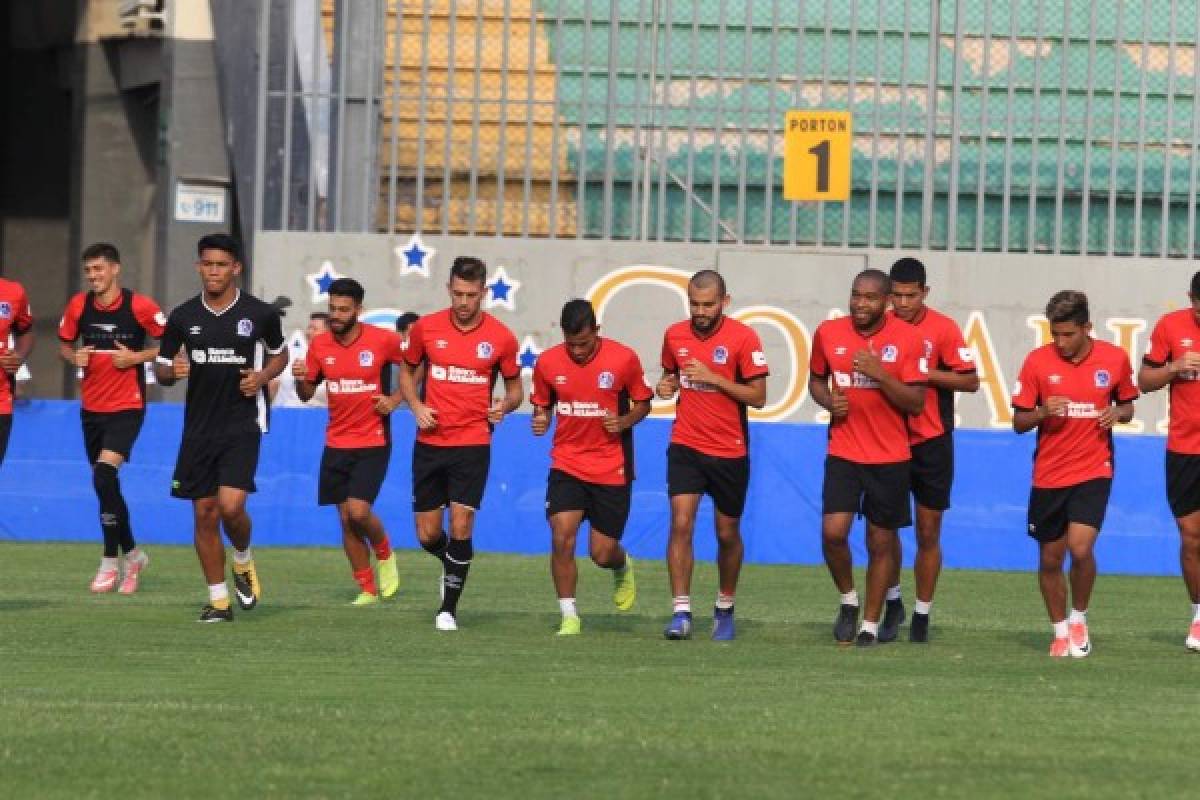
(820, 139)
(821, 151)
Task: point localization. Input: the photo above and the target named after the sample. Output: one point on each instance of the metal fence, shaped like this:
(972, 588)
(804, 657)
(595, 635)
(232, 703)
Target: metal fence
(1055, 126)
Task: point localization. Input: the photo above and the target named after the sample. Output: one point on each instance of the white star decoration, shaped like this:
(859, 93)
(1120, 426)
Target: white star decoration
(414, 257)
(319, 281)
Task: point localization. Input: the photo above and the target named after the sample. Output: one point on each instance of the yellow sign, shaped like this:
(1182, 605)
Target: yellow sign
(816, 155)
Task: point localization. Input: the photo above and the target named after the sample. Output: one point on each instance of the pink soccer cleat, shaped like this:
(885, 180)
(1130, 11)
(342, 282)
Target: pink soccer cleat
(135, 562)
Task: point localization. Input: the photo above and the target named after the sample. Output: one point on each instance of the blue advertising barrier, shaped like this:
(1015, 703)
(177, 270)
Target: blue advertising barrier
(46, 491)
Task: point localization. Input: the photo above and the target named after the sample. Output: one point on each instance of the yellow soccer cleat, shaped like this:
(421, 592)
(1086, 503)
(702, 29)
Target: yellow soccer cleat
(389, 577)
(246, 587)
(624, 586)
(365, 599)
(571, 626)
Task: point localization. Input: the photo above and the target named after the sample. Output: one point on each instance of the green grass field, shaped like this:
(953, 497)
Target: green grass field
(128, 696)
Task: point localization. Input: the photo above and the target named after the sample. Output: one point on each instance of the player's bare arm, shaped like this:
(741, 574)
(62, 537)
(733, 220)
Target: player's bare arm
(908, 397)
(76, 357)
(619, 424)
(426, 417)
(1151, 379)
(751, 393)
(539, 421)
(514, 395)
(253, 380)
(965, 382)
(12, 359)
(1027, 420)
(1117, 414)
(304, 389)
(667, 386)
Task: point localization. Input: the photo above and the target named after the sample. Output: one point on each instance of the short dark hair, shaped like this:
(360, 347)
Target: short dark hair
(709, 277)
(877, 275)
(101, 250)
(577, 316)
(220, 241)
(321, 315)
(1196, 284)
(908, 270)
(347, 287)
(406, 321)
(469, 268)
(1068, 306)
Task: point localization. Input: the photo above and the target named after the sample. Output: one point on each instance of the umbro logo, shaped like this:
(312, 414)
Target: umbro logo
(194, 329)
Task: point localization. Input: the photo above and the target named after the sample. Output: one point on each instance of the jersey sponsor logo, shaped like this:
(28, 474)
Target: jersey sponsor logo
(245, 327)
(199, 356)
(352, 386)
(928, 348)
(217, 355)
(1080, 411)
(758, 358)
(483, 350)
(365, 358)
(856, 380)
(457, 375)
(1102, 378)
(720, 354)
(581, 408)
(890, 354)
(696, 386)
(5, 309)
(605, 380)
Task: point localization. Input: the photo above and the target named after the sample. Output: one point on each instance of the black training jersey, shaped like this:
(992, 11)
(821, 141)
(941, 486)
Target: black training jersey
(220, 346)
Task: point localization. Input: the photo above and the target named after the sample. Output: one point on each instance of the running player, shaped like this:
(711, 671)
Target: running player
(1174, 361)
(868, 370)
(1073, 390)
(217, 340)
(598, 391)
(113, 324)
(930, 437)
(16, 319)
(463, 349)
(349, 359)
(718, 367)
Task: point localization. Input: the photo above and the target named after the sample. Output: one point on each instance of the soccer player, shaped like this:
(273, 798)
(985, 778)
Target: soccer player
(16, 320)
(462, 348)
(869, 371)
(229, 345)
(349, 358)
(281, 392)
(597, 390)
(113, 324)
(930, 437)
(1073, 390)
(718, 368)
(1174, 360)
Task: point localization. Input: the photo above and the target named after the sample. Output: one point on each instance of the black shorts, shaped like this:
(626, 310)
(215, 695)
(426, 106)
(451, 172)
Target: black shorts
(933, 472)
(724, 479)
(605, 506)
(111, 430)
(356, 473)
(207, 463)
(5, 430)
(1051, 510)
(444, 475)
(878, 492)
(1183, 483)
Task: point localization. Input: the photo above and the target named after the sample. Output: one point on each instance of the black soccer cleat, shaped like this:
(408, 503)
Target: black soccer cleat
(244, 588)
(918, 629)
(846, 622)
(866, 639)
(893, 618)
(212, 614)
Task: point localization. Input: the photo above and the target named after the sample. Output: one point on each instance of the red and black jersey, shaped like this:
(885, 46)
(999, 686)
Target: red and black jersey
(353, 376)
(707, 419)
(944, 350)
(15, 318)
(462, 368)
(874, 431)
(1174, 335)
(126, 322)
(1073, 448)
(582, 395)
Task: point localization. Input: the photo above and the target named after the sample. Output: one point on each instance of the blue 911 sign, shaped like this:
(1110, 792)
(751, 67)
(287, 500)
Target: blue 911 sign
(195, 203)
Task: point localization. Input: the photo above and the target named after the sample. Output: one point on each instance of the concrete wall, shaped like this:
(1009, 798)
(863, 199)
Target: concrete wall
(783, 294)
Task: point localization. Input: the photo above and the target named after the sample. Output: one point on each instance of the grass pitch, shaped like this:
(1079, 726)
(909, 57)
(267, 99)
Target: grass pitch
(104, 696)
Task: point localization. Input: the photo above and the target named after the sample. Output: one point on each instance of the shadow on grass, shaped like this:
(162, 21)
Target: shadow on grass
(22, 603)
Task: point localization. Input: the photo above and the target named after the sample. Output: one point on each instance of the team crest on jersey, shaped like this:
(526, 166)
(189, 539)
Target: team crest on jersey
(720, 354)
(605, 380)
(365, 358)
(889, 354)
(483, 350)
(245, 327)
(5, 310)
(1102, 378)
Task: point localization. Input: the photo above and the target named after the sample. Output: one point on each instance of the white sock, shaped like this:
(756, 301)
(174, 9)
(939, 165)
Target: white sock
(850, 598)
(681, 602)
(1195, 612)
(218, 591)
(108, 563)
(1060, 629)
(724, 601)
(1077, 617)
(870, 627)
(242, 556)
(922, 607)
(567, 606)
(894, 592)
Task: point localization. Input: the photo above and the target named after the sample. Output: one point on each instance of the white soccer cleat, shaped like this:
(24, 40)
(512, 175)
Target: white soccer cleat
(445, 621)
(1081, 644)
(135, 562)
(105, 580)
(1193, 638)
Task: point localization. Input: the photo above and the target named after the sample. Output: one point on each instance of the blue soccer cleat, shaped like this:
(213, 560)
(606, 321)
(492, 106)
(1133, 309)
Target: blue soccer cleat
(680, 626)
(723, 628)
